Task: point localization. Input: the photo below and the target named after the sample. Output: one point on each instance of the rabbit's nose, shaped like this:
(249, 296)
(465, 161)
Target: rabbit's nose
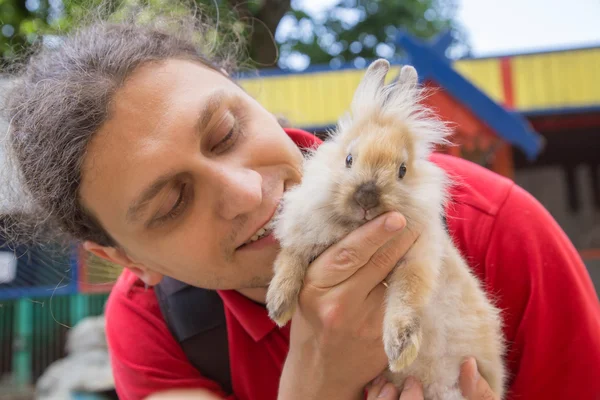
(367, 195)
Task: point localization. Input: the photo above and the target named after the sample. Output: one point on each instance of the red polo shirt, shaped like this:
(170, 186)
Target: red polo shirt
(551, 311)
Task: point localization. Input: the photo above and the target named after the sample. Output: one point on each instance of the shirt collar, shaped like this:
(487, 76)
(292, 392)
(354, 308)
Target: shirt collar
(302, 138)
(252, 316)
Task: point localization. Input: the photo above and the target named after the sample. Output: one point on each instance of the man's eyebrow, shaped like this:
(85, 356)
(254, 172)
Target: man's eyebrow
(139, 205)
(214, 102)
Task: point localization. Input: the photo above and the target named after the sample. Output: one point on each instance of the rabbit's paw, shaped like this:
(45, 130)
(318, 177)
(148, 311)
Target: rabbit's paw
(281, 299)
(402, 341)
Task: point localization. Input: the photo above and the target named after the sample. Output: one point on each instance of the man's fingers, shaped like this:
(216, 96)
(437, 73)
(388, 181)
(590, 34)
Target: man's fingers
(380, 389)
(472, 385)
(343, 259)
(412, 390)
(375, 387)
(381, 263)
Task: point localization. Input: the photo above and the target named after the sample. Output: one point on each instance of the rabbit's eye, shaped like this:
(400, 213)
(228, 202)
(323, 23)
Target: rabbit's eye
(402, 171)
(349, 161)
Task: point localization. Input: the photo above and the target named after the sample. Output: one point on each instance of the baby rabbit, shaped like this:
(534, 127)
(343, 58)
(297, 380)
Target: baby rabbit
(376, 161)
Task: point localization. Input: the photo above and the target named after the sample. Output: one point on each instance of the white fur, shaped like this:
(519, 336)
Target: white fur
(452, 315)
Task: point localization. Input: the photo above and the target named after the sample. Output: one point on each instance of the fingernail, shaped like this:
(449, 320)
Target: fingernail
(464, 361)
(476, 375)
(385, 391)
(394, 223)
(378, 380)
(409, 383)
(472, 363)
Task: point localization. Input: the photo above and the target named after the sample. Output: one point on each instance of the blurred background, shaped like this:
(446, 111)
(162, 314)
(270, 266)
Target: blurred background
(519, 78)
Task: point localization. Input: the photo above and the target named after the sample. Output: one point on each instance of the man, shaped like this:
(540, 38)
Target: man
(510, 241)
(136, 145)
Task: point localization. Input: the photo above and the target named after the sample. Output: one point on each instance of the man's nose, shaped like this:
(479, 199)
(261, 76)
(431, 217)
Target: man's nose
(240, 191)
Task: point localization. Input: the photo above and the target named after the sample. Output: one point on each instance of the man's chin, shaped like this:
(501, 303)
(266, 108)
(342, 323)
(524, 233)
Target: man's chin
(260, 282)
(258, 294)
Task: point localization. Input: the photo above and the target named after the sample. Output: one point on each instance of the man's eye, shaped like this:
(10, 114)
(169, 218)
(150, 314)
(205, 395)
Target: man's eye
(227, 138)
(227, 141)
(175, 208)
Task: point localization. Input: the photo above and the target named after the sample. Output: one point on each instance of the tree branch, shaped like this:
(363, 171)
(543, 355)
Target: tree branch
(241, 8)
(262, 43)
(272, 11)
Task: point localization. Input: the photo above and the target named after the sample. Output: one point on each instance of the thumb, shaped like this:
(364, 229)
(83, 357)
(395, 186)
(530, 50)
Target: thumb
(412, 390)
(341, 260)
(472, 384)
(380, 389)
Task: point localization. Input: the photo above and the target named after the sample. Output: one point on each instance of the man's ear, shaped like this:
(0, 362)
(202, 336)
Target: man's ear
(118, 256)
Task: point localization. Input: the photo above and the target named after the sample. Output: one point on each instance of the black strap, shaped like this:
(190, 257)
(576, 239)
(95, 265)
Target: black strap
(196, 318)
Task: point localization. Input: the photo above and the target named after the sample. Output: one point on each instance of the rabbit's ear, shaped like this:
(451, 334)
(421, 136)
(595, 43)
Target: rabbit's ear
(408, 76)
(369, 92)
(404, 91)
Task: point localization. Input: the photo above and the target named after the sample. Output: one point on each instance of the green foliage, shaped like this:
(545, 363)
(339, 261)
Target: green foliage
(27, 23)
(20, 26)
(355, 30)
(350, 30)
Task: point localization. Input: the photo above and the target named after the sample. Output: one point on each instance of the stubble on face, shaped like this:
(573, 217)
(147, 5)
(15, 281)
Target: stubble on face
(199, 246)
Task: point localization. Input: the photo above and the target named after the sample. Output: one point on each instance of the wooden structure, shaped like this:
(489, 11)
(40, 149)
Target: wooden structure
(547, 90)
(539, 124)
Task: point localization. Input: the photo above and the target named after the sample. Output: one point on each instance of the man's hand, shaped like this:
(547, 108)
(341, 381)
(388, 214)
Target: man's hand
(471, 384)
(336, 345)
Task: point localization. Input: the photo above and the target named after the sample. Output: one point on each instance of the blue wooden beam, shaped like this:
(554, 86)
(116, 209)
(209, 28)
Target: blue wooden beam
(510, 126)
(14, 293)
(441, 43)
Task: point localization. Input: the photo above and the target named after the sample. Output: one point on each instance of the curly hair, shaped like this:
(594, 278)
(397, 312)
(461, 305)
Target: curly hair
(62, 96)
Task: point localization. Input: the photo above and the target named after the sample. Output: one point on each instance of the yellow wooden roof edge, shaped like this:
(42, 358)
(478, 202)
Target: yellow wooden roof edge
(538, 82)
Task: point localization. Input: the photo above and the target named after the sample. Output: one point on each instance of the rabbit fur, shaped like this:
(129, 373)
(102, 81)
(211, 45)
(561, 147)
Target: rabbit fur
(376, 160)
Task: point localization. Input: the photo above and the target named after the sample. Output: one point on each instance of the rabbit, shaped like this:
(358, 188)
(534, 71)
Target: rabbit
(375, 161)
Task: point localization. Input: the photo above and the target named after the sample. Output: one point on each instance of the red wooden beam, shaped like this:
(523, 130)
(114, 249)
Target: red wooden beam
(507, 82)
(466, 125)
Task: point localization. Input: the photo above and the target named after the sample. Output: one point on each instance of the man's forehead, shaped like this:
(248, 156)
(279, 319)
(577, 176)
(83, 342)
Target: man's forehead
(182, 92)
(156, 82)
(150, 119)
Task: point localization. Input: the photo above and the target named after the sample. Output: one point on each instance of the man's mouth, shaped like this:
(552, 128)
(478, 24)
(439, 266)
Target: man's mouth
(262, 232)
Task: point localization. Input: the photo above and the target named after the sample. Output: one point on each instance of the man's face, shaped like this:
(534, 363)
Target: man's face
(185, 172)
